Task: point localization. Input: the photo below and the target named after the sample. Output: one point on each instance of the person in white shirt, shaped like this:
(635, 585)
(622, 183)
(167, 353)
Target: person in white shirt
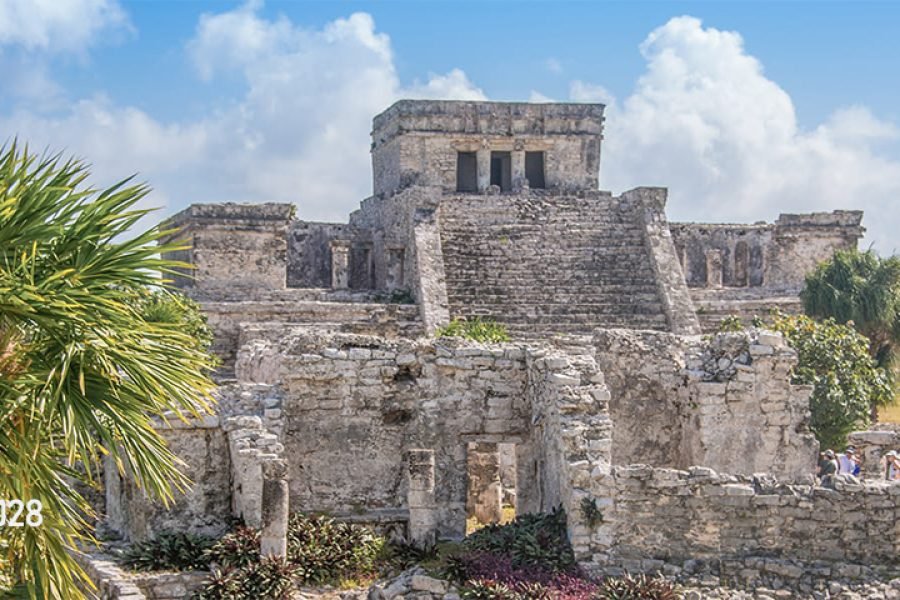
(848, 463)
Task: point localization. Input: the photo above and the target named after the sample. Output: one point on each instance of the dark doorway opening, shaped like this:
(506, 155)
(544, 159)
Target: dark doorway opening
(466, 172)
(492, 484)
(501, 170)
(534, 169)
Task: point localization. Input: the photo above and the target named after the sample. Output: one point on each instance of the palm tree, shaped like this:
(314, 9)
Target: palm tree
(863, 289)
(82, 372)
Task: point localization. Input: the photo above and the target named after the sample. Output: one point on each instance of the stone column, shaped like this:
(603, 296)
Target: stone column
(518, 167)
(420, 498)
(395, 258)
(483, 158)
(275, 506)
(340, 264)
(713, 268)
(485, 489)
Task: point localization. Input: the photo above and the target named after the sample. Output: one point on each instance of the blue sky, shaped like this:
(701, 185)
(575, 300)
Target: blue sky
(742, 109)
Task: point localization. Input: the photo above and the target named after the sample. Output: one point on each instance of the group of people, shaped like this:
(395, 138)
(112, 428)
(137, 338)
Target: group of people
(831, 464)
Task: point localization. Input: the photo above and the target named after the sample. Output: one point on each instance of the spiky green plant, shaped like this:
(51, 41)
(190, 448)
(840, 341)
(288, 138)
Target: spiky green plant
(863, 288)
(476, 329)
(82, 372)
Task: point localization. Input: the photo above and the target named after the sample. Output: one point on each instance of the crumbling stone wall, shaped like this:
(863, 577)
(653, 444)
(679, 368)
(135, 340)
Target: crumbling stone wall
(727, 404)
(250, 447)
(644, 374)
(416, 142)
(751, 530)
(871, 446)
(227, 318)
(571, 442)
(741, 250)
(309, 252)
(232, 246)
(204, 509)
(354, 404)
(776, 256)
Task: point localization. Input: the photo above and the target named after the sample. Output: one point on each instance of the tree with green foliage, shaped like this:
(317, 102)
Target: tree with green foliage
(846, 380)
(84, 366)
(862, 288)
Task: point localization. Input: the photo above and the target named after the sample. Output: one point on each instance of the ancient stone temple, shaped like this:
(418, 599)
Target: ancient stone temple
(694, 450)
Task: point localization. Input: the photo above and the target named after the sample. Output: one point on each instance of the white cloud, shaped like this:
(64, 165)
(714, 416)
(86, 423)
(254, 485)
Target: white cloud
(706, 122)
(58, 25)
(299, 133)
(536, 96)
(553, 65)
(455, 85)
(580, 91)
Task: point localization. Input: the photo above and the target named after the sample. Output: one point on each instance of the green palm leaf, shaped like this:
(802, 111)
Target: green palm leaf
(82, 368)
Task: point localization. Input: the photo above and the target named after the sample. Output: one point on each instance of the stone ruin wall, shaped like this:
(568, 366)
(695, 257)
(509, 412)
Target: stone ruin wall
(747, 270)
(381, 427)
(726, 404)
(362, 403)
(352, 413)
(753, 531)
(747, 527)
(872, 445)
(204, 509)
(775, 256)
(232, 246)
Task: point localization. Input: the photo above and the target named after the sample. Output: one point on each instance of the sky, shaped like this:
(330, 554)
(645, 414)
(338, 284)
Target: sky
(743, 110)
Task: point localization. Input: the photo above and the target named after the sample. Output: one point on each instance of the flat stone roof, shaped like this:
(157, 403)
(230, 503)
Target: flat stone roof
(490, 118)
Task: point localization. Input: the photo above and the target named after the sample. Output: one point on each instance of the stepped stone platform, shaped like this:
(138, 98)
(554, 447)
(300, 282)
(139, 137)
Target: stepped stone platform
(549, 264)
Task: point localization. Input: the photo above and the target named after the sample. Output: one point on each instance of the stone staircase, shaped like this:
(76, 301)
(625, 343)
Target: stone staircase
(545, 264)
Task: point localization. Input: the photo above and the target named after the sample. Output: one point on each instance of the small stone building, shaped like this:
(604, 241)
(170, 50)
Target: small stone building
(695, 451)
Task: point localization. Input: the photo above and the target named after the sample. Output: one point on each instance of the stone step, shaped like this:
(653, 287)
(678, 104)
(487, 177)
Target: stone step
(550, 264)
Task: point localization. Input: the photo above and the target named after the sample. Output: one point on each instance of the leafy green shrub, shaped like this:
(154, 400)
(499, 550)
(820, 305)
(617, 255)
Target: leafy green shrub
(475, 329)
(637, 587)
(239, 548)
(731, 323)
(325, 550)
(846, 380)
(536, 539)
(173, 551)
(269, 578)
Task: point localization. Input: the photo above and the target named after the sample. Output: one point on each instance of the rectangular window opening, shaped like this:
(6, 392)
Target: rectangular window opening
(466, 172)
(501, 170)
(534, 169)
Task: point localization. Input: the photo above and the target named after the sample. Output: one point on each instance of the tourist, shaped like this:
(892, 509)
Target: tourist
(892, 466)
(848, 463)
(828, 467)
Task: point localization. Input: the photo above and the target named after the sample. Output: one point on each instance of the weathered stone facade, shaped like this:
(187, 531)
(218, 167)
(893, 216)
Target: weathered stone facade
(747, 269)
(335, 390)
